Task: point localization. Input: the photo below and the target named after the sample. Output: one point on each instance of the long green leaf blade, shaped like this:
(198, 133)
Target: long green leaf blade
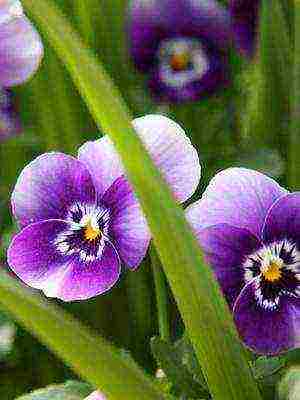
(90, 356)
(204, 310)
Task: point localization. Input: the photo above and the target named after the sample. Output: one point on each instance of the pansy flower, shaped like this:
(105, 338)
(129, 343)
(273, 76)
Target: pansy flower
(180, 45)
(249, 229)
(80, 218)
(245, 19)
(21, 51)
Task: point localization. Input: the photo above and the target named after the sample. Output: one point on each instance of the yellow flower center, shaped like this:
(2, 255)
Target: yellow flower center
(91, 233)
(180, 61)
(272, 272)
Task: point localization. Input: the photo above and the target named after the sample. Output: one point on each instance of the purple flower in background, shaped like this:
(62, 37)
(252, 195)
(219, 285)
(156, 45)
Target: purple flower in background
(9, 122)
(244, 14)
(80, 218)
(21, 51)
(249, 229)
(180, 44)
(96, 396)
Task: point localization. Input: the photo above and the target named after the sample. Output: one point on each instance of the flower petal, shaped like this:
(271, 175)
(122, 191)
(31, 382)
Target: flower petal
(244, 14)
(283, 220)
(85, 280)
(238, 197)
(96, 396)
(48, 186)
(35, 260)
(265, 331)
(9, 122)
(21, 50)
(152, 21)
(215, 78)
(32, 254)
(225, 248)
(168, 146)
(129, 229)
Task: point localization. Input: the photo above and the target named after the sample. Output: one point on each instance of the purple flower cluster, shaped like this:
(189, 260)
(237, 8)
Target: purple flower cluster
(80, 218)
(21, 51)
(182, 44)
(81, 222)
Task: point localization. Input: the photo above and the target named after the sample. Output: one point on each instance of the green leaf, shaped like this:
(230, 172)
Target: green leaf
(289, 386)
(294, 142)
(71, 390)
(204, 310)
(90, 356)
(265, 367)
(170, 359)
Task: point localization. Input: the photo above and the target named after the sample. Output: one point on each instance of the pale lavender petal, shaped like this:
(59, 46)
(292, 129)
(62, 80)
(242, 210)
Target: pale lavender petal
(96, 396)
(102, 161)
(168, 146)
(283, 220)
(267, 332)
(48, 186)
(21, 49)
(32, 254)
(172, 152)
(238, 197)
(129, 230)
(35, 259)
(226, 248)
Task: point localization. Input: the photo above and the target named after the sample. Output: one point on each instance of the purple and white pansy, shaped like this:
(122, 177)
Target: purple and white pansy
(249, 229)
(79, 217)
(21, 51)
(180, 45)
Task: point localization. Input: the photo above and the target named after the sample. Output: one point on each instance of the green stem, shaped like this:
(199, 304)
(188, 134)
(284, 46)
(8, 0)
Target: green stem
(294, 142)
(90, 356)
(161, 292)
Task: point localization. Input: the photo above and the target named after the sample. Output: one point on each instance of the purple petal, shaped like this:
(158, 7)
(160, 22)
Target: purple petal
(155, 20)
(128, 227)
(225, 248)
(85, 280)
(283, 220)
(168, 146)
(21, 49)
(238, 197)
(102, 161)
(32, 254)
(35, 260)
(268, 332)
(244, 14)
(48, 186)
(9, 121)
(96, 396)
(215, 78)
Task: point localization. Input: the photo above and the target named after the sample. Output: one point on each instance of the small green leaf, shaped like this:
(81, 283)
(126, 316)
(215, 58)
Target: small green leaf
(171, 359)
(71, 390)
(289, 386)
(265, 367)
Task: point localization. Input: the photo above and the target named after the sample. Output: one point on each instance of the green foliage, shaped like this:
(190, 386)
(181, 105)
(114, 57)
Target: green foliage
(71, 390)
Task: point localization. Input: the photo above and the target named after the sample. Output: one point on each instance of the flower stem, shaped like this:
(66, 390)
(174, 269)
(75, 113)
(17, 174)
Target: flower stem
(161, 292)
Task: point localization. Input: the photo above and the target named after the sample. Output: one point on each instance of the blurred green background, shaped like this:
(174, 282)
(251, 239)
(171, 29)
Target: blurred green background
(230, 128)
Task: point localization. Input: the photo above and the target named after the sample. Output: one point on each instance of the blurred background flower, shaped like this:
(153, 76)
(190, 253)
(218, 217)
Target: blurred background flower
(180, 45)
(245, 18)
(21, 51)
